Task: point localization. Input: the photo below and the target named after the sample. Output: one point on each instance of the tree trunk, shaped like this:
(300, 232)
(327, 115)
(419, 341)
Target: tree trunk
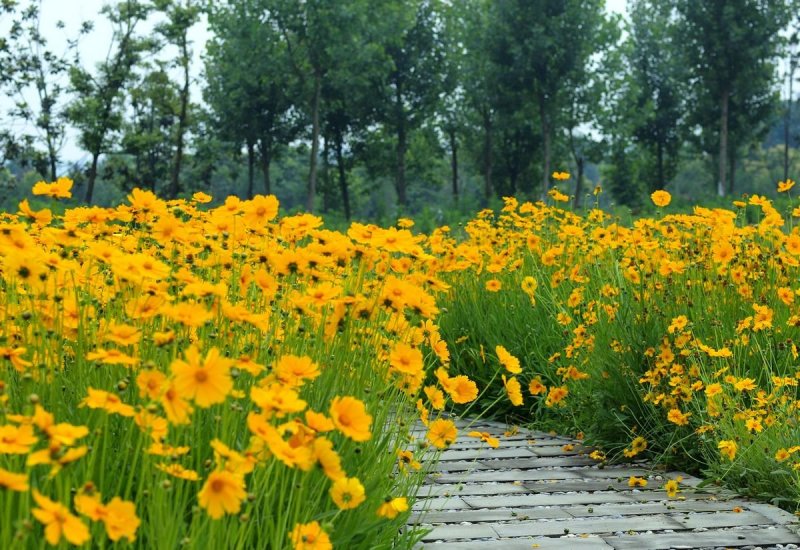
(47, 110)
(579, 162)
(266, 161)
(723, 143)
(400, 176)
(176, 168)
(342, 176)
(786, 122)
(92, 177)
(151, 156)
(487, 157)
(250, 164)
(454, 161)
(325, 189)
(545, 123)
(51, 153)
(660, 184)
(312, 172)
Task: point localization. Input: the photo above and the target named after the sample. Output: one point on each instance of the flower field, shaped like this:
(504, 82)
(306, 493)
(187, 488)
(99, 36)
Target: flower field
(176, 374)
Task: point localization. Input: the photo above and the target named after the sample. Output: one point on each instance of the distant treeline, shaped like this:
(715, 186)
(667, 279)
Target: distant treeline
(373, 107)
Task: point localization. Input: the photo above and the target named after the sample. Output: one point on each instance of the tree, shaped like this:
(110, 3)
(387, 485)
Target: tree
(319, 35)
(181, 16)
(540, 44)
(730, 48)
(96, 110)
(148, 133)
(656, 100)
(37, 84)
(792, 61)
(478, 79)
(411, 91)
(250, 83)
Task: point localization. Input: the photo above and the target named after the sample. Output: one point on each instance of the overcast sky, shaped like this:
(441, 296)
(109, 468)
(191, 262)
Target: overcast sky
(94, 47)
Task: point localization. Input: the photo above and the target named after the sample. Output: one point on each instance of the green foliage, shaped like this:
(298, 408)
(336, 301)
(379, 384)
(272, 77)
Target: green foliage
(433, 101)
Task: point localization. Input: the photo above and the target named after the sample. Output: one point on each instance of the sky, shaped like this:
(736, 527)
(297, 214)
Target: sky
(94, 47)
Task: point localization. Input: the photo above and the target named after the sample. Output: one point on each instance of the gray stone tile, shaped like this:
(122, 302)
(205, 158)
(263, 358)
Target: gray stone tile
(471, 489)
(565, 543)
(498, 514)
(486, 452)
(715, 538)
(554, 499)
(457, 532)
(508, 475)
(712, 520)
(544, 462)
(440, 503)
(635, 509)
(585, 526)
(530, 490)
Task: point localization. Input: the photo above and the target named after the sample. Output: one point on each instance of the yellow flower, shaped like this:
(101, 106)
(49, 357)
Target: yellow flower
(745, 384)
(223, 492)
(513, 390)
(556, 395)
(677, 417)
(150, 383)
(99, 399)
(728, 448)
(722, 252)
(17, 440)
(260, 210)
(405, 460)
(350, 417)
(12, 481)
(634, 481)
(59, 522)
(493, 285)
(347, 493)
(176, 470)
(435, 397)
(112, 357)
(671, 487)
(328, 458)
(42, 217)
(406, 359)
(119, 516)
(310, 536)
(784, 186)
(442, 433)
(460, 389)
(392, 507)
(201, 197)
(535, 387)
(59, 189)
(486, 437)
(206, 381)
(560, 176)
(510, 362)
(661, 198)
(294, 370)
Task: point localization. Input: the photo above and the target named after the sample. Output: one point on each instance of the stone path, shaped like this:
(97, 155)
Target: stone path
(541, 491)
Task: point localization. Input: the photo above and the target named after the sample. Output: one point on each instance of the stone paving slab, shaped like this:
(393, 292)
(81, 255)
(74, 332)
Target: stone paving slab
(533, 492)
(566, 543)
(705, 539)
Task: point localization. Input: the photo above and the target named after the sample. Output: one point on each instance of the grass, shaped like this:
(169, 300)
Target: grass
(179, 375)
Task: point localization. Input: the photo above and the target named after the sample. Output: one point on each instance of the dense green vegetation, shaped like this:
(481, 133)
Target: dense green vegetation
(368, 109)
